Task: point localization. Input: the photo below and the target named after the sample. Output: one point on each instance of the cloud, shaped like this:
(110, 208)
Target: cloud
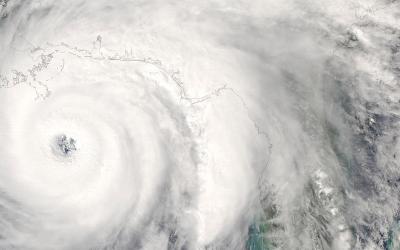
(199, 125)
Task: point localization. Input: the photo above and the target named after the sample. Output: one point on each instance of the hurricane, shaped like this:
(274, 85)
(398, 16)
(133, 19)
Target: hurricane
(199, 125)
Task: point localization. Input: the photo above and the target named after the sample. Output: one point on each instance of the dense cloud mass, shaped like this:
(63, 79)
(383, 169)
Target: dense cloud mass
(215, 125)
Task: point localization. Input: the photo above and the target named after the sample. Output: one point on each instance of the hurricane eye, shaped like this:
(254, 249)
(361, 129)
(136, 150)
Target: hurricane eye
(64, 146)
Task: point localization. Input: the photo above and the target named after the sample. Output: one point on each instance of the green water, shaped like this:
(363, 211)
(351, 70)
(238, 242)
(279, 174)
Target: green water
(392, 243)
(257, 240)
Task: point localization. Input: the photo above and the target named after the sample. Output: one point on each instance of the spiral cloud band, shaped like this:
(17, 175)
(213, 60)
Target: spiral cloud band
(212, 125)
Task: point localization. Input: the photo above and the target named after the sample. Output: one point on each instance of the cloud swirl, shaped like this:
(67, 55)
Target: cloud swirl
(134, 124)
